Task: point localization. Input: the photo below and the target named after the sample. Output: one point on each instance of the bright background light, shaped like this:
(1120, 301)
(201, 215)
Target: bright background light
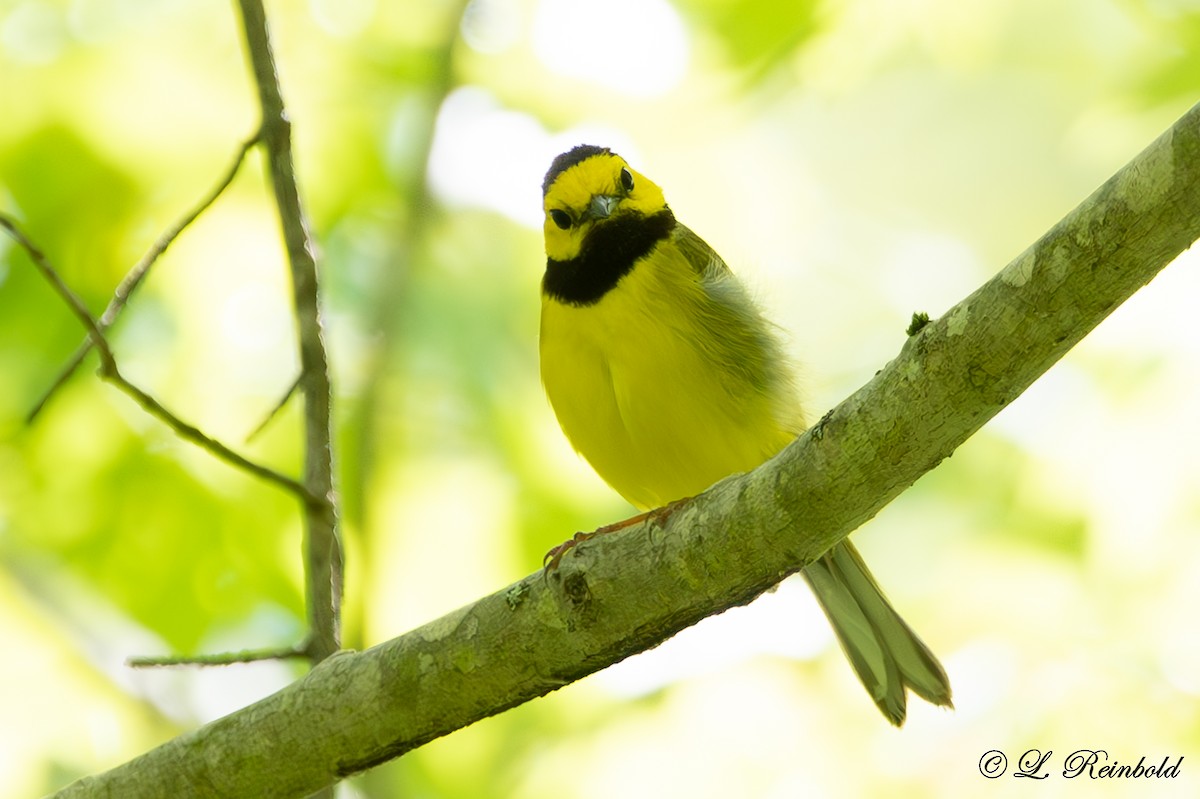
(635, 47)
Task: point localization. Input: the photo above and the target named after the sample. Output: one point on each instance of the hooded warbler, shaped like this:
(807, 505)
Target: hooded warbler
(665, 376)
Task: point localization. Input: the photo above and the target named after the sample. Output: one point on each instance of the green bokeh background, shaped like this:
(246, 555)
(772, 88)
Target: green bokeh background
(855, 160)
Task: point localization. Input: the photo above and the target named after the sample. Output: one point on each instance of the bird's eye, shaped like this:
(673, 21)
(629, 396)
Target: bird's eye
(626, 180)
(561, 218)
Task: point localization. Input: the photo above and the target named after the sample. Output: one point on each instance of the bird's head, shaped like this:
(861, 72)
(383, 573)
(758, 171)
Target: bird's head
(588, 187)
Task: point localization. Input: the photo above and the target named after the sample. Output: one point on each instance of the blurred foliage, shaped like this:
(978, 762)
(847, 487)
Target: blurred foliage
(755, 34)
(856, 160)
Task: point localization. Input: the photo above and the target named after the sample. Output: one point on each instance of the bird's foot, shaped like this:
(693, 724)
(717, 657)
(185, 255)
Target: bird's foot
(550, 562)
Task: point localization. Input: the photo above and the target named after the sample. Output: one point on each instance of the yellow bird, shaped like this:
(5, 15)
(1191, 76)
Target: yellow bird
(665, 376)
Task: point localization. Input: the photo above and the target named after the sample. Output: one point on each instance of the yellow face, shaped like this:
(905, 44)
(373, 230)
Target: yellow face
(590, 193)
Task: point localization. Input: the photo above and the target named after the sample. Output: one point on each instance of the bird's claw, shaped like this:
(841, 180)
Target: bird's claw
(550, 562)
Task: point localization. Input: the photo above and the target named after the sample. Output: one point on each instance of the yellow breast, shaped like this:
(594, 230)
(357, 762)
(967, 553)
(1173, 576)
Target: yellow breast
(657, 384)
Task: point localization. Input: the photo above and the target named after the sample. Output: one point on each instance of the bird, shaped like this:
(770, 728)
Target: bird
(666, 377)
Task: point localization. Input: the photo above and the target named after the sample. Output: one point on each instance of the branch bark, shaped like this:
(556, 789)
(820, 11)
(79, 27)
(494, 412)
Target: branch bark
(623, 593)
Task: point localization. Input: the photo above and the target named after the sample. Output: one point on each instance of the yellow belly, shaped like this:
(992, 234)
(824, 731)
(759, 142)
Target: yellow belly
(653, 395)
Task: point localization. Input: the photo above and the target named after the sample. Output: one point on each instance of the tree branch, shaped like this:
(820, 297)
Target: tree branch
(138, 273)
(322, 545)
(110, 372)
(619, 594)
(221, 659)
(95, 336)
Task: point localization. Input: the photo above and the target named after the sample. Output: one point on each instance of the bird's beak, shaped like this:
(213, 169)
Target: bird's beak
(602, 205)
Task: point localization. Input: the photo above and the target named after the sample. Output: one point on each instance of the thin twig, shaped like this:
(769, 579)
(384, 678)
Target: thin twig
(72, 300)
(110, 372)
(204, 441)
(138, 273)
(322, 544)
(132, 280)
(219, 659)
(287, 395)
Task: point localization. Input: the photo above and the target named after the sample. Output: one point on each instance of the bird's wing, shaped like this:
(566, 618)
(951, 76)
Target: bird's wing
(699, 255)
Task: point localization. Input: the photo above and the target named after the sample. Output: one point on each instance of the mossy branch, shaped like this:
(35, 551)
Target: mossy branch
(620, 594)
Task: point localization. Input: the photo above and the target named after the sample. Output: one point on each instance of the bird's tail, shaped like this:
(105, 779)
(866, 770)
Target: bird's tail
(885, 652)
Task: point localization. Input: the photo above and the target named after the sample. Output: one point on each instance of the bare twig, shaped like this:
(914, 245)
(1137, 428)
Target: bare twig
(323, 552)
(204, 441)
(138, 273)
(287, 395)
(110, 372)
(221, 659)
(73, 302)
